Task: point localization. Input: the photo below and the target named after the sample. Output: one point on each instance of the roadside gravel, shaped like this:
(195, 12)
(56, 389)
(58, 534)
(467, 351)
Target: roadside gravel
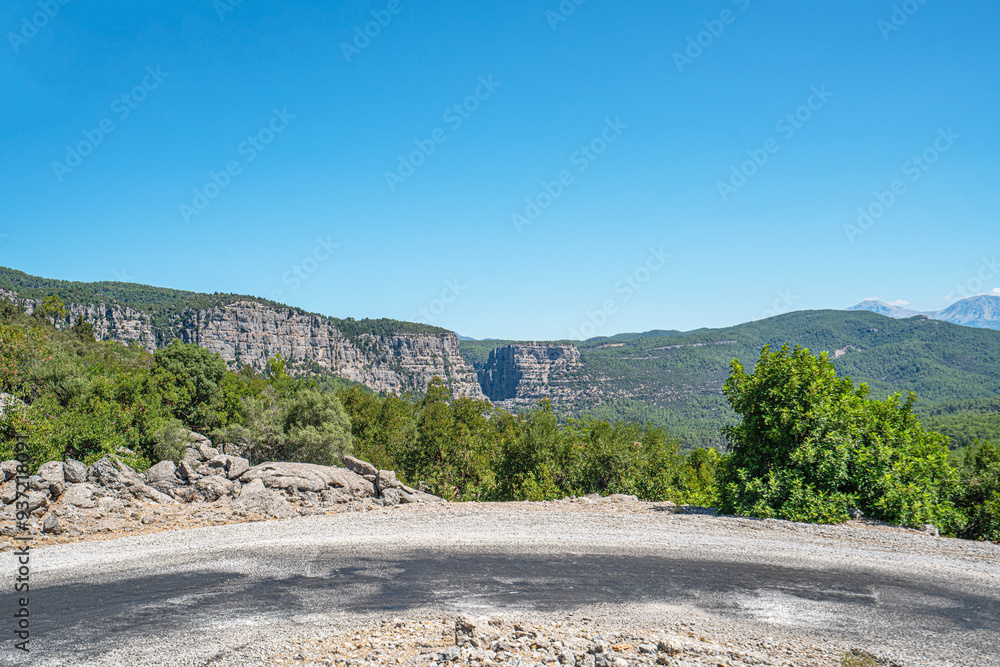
(752, 625)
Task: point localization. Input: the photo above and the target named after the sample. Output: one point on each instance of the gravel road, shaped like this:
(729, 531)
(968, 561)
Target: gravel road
(250, 593)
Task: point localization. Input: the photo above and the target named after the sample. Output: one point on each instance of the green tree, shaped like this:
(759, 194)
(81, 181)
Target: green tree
(810, 446)
(191, 379)
(979, 492)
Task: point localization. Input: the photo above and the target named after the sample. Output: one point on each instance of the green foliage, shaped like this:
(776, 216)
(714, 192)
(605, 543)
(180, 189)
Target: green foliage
(191, 378)
(978, 493)
(810, 446)
(675, 380)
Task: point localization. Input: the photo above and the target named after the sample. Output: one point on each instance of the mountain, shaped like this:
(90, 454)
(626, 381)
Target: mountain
(675, 380)
(671, 379)
(882, 308)
(981, 311)
(385, 355)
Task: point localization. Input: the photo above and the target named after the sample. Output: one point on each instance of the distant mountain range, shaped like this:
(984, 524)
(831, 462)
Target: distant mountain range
(982, 312)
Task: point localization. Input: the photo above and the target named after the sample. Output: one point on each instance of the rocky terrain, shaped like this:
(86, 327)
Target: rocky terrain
(67, 500)
(251, 332)
(516, 376)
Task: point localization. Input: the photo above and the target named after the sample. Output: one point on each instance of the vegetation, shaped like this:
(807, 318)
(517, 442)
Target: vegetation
(674, 380)
(804, 442)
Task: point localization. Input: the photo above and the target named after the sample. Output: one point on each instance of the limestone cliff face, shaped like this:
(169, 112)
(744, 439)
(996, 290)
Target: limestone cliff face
(250, 333)
(518, 375)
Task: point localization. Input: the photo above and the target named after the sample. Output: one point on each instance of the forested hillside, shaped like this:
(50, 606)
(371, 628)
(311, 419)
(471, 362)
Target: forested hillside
(675, 380)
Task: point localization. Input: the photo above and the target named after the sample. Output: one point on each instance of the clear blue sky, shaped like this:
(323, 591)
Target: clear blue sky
(189, 88)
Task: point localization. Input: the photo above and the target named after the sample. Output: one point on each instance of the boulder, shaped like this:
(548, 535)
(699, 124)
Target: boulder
(230, 467)
(56, 489)
(930, 529)
(80, 495)
(308, 477)
(266, 503)
(207, 451)
(386, 479)
(111, 473)
(162, 471)
(143, 492)
(9, 469)
(8, 492)
(186, 471)
(360, 467)
(213, 487)
(51, 525)
(38, 483)
(74, 471)
(36, 501)
(474, 632)
(111, 504)
(391, 497)
(52, 472)
(253, 487)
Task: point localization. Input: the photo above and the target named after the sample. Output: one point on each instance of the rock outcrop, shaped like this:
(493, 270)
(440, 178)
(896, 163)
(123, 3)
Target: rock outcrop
(69, 490)
(250, 332)
(518, 375)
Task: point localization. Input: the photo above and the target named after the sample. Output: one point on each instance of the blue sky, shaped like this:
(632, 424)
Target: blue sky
(524, 169)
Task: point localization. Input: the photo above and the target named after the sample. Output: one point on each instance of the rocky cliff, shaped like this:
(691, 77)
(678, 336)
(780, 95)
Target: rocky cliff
(518, 375)
(250, 332)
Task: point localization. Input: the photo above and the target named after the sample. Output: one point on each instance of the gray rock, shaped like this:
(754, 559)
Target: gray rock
(51, 525)
(143, 492)
(308, 477)
(186, 471)
(230, 467)
(265, 503)
(162, 471)
(74, 471)
(111, 473)
(80, 495)
(214, 487)
(391, 497)
(111, 504)
(56, 489)
(9, 469)
(253, 487)
(855, 513)
(38, 483)
(387, 480)
(359, 467)
(36, 501)
(167, 486)
(8, 492)
(193, 456)
(52, 472)
(450, 654)
(207, 451)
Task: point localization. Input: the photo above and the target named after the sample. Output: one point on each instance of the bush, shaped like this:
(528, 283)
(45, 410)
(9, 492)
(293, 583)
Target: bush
(810, 446)
(979, 496)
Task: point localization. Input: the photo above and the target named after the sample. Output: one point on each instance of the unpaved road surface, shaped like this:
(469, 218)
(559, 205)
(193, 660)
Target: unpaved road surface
(238, 594)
